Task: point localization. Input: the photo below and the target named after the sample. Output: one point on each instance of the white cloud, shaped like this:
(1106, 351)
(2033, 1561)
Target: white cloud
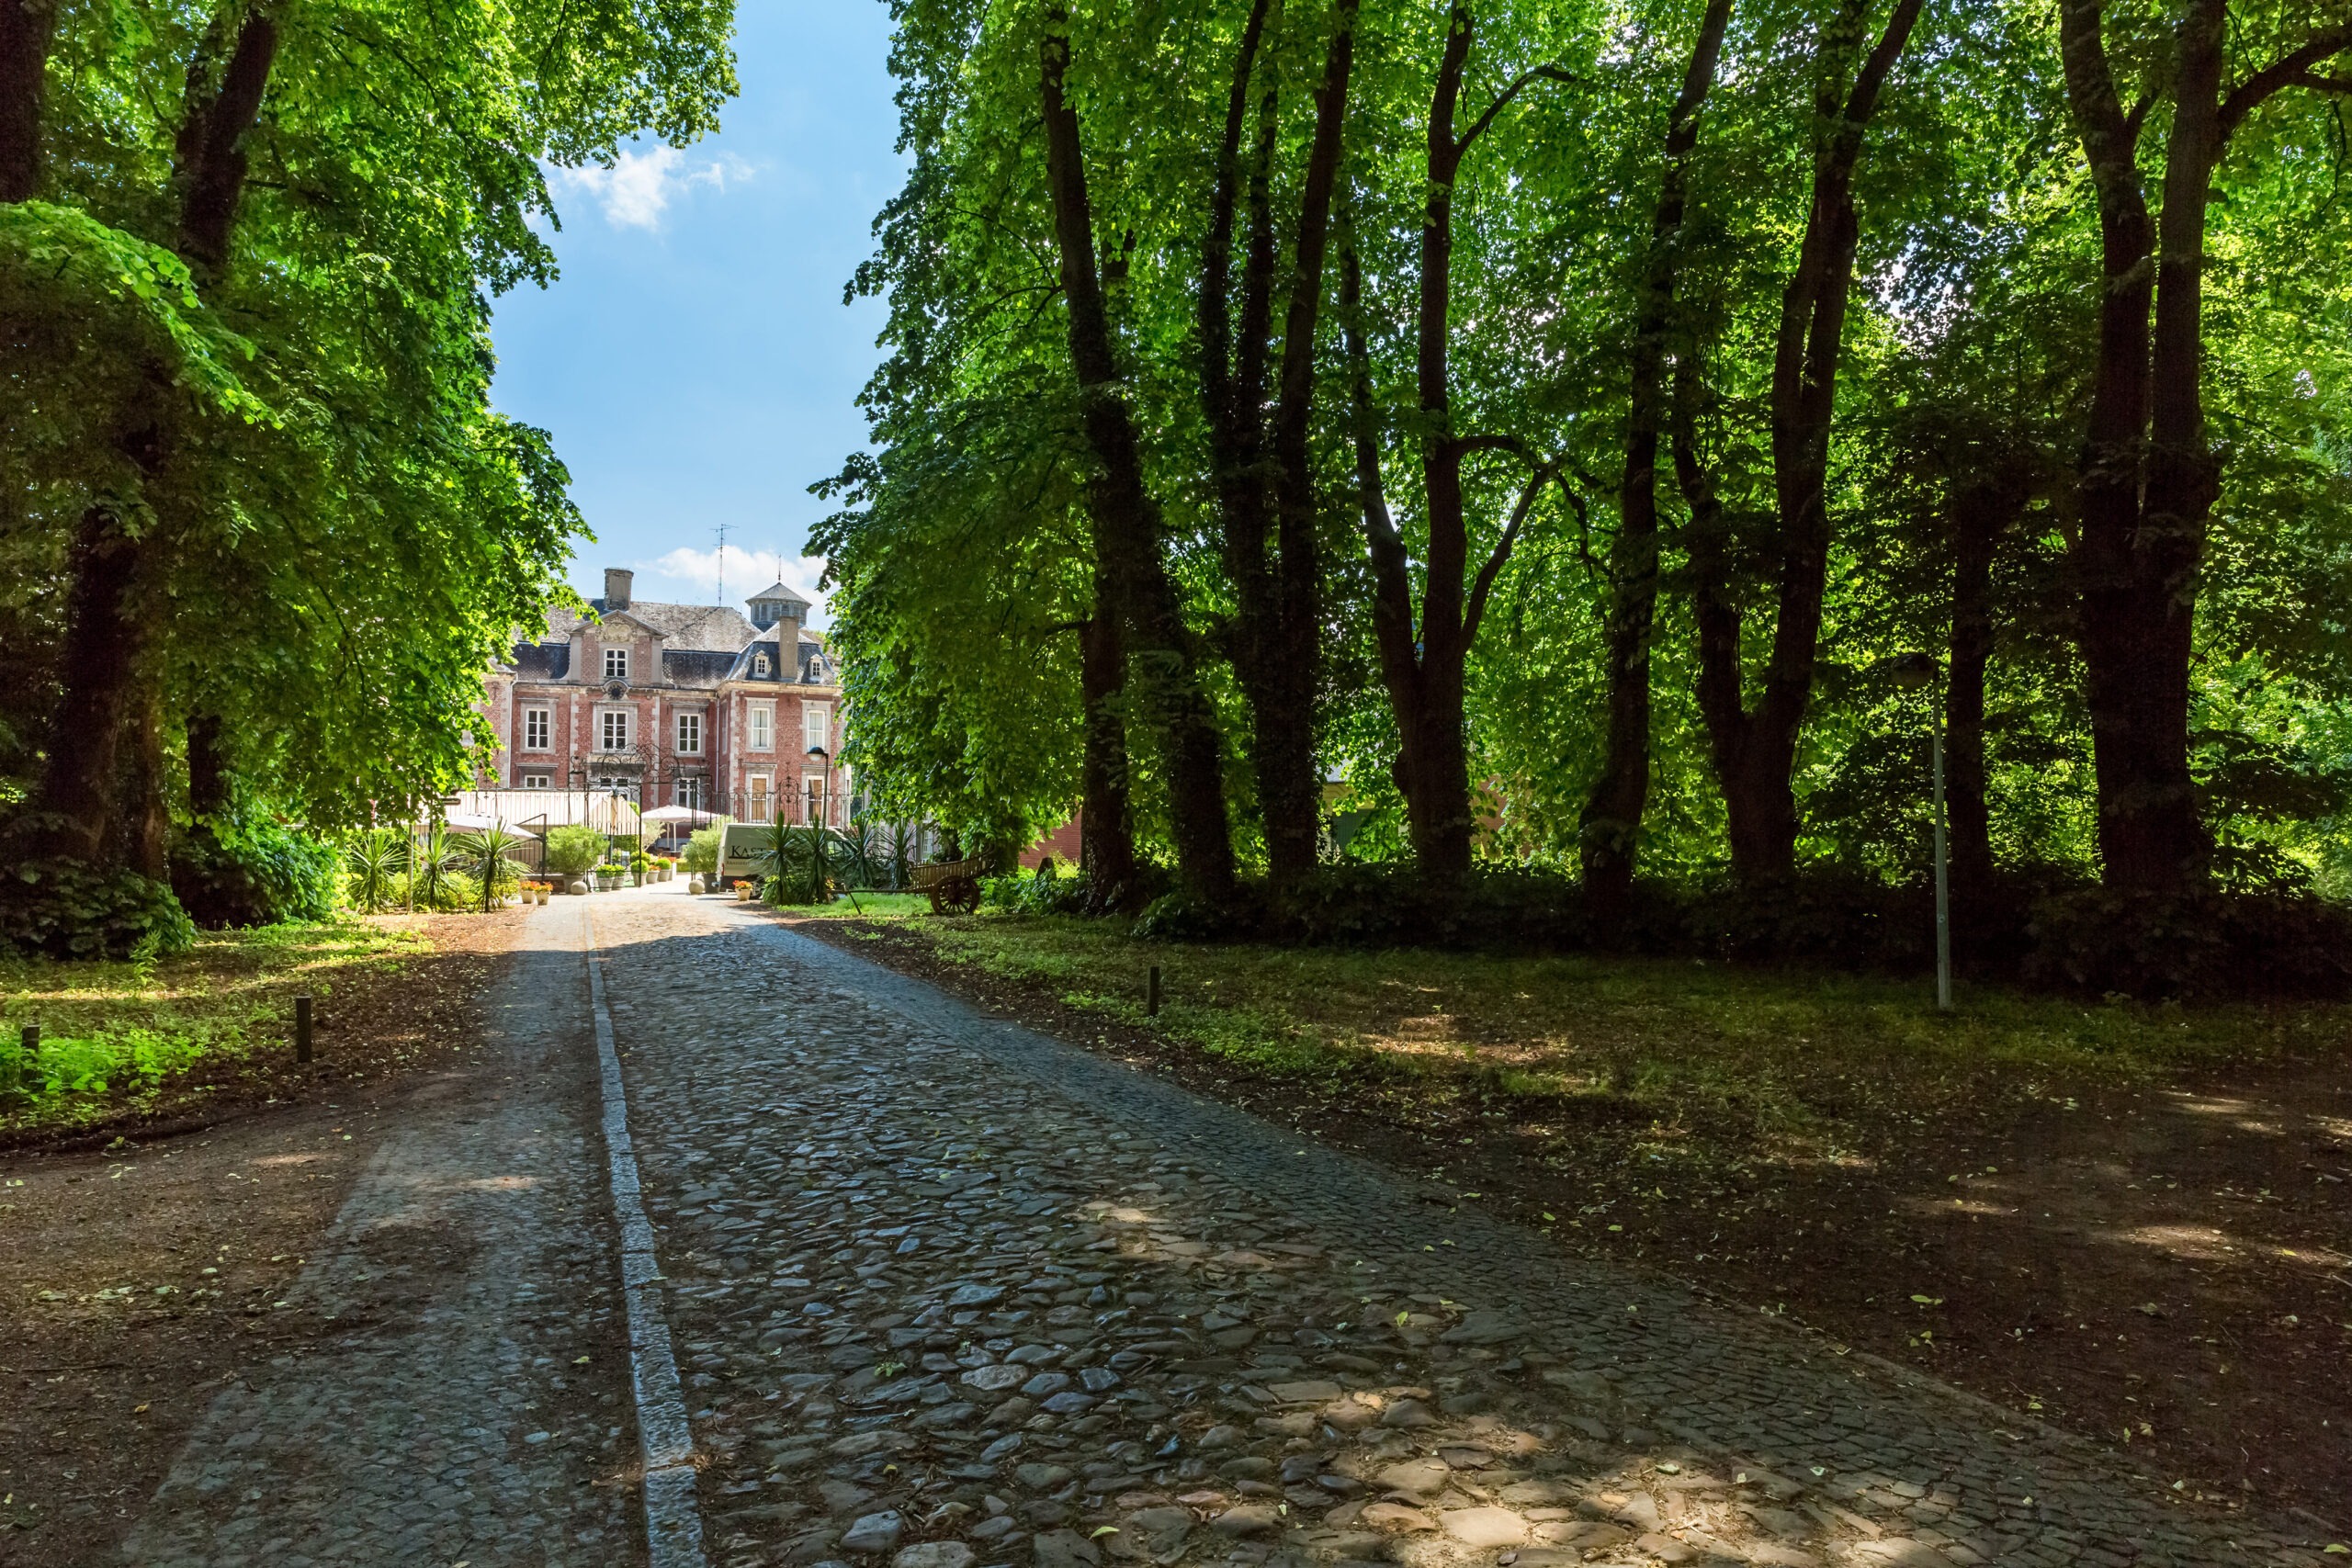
(689, 576)
(638, 188)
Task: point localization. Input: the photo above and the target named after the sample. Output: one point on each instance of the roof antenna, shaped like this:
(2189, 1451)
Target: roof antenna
(722, 563)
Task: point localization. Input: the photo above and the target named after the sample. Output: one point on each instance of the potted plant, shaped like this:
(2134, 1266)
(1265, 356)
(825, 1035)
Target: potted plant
(742, 892)
(638, 865)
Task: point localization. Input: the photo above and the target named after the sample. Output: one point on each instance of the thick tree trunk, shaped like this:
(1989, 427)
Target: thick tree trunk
(1754, 748)
(74, 807)
(2147, 479)
(106, 643)
(26, 29)
(1277, 640)
(1423, 666)
(1163, 679)
(1611, 828)
(209, 785)
(145, 818)
(1106, 837)
(1982, 513)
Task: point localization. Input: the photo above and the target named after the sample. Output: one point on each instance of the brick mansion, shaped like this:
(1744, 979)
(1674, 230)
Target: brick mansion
(674, 704)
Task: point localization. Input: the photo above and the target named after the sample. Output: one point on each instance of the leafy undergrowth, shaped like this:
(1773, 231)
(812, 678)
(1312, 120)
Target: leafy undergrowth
(1790, 1063)
(122, 1039)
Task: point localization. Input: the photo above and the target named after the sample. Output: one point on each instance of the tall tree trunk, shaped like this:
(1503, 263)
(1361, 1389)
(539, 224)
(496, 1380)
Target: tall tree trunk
(1983, 513)
(1611, 828)
(209, 787)
(106, 641)
(1754, 748)
(74, 810)
(1105, 835)
(1164, 681)
(26, 28)
(146, 823)
(1425, 669)
(2147, 478)
(1277, 641)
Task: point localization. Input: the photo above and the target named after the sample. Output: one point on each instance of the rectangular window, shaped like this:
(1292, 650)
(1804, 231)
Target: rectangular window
(759, 798)
(690, 794)
(816, 725)
(763, 728)
(535, 781)
(535, 730)
(616, 664)
(689, 734)
(613, 735)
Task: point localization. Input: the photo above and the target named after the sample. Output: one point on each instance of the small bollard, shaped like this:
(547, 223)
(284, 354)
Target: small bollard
(26, 1071)
(1152, 996)
(302, 1028)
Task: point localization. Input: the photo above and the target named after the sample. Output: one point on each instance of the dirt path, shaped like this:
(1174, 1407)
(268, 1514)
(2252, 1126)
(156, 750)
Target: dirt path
(144, 1277)
(2165, 1274)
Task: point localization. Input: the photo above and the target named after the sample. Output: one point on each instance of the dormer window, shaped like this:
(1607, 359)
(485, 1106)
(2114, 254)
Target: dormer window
(616, 664)
(760, 664)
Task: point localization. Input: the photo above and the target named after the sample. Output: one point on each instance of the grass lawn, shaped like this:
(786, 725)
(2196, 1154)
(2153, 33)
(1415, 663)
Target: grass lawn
(869, 906)
(122, 1042)
(1792, 1065)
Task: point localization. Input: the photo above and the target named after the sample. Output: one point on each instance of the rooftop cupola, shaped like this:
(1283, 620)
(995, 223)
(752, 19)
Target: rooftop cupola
(776, 603)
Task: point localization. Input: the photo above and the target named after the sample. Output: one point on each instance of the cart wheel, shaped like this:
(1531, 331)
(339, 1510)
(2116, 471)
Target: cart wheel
(968, 898)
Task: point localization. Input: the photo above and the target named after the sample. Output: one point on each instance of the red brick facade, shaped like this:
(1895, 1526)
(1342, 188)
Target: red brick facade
(674, 704)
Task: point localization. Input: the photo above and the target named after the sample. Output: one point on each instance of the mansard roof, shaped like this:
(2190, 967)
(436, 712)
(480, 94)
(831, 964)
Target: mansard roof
(698, 667)
(809, 664)
(712, 628)
(542, 661)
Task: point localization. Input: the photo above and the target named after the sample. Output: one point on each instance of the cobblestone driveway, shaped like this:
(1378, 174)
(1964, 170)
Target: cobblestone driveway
(947, 1293)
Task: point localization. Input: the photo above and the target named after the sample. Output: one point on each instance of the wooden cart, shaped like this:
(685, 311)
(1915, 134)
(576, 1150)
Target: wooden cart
(954, 886)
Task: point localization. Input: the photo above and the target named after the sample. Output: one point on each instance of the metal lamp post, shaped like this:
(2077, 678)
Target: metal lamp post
(1919, 672)
(824, 760)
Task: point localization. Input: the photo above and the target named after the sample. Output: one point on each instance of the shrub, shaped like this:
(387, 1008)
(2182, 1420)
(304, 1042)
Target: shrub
(702, 852)
(374, 863)
(2191, 946)
(1045, 891)
(572, 849)
(247, 869)
(67, 909)
(491, 851)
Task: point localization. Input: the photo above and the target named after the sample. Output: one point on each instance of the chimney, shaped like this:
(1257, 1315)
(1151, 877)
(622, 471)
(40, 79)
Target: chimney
(617, 584)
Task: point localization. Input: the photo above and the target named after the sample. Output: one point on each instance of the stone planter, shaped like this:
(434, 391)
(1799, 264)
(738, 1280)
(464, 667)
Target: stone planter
(541, 893)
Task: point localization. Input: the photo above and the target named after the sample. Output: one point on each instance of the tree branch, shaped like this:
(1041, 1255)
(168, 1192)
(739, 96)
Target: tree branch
(2289, 69)
(1544, 474)
(1519, 84)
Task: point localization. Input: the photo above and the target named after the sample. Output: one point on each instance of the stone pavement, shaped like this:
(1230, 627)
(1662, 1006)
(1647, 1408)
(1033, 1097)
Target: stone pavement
(434, 1411)
(945, 1292)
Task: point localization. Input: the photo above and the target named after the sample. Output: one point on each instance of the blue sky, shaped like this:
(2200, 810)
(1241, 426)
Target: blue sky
(694, 361)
